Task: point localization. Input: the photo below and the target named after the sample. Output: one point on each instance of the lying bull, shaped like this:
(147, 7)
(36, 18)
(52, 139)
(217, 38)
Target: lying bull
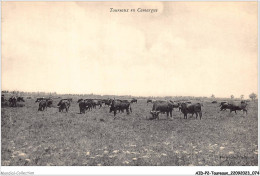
(120, 105)
(191, 109)
(161, 107)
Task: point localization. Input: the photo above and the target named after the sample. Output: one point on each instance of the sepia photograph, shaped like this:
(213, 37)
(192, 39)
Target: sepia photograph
(129, 83)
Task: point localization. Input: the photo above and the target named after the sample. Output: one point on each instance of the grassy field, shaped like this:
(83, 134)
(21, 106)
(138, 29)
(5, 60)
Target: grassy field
(50, 138)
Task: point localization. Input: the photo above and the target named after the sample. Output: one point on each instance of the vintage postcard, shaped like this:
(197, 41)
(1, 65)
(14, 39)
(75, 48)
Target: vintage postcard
(130, 84)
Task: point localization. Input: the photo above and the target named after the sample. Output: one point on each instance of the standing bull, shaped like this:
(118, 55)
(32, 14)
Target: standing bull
(120, 105)
(238, 107)
(191, 109)
(64, 104)
(84, 105)
(12, 101)
(42, 105)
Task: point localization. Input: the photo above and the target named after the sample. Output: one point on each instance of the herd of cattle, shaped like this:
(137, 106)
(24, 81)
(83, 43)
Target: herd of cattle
(116, 105)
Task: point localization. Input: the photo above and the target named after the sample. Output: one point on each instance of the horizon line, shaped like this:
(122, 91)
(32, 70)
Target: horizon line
(93, 94)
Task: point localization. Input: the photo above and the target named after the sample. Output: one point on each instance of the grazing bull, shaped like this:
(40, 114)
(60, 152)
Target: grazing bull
(214, 102)
(191, 109)
(12, 101)
(42, 105)
(120, 105)
(238, 107)
(134, 100)
(162, 107)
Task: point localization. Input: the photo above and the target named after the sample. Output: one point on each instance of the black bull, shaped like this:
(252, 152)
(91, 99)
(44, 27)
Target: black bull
(191, 109)
(64, 104)
(84, 105)
(42, 105)
(162, 107)
(118, 105)
(234, 107)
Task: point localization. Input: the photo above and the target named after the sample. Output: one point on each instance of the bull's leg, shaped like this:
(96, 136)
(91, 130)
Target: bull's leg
(127, 111)
(235, 111)
(200, 113)
(115, 113)
(171, 113)
(196, 115)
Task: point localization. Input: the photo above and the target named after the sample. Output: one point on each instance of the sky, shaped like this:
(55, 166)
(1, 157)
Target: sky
(183, 49)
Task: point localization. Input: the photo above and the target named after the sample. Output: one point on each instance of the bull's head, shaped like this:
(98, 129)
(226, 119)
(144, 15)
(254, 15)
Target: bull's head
(155, 114)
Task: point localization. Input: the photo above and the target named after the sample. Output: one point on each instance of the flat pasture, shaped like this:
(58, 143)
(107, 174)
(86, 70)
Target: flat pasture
(49, 138)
